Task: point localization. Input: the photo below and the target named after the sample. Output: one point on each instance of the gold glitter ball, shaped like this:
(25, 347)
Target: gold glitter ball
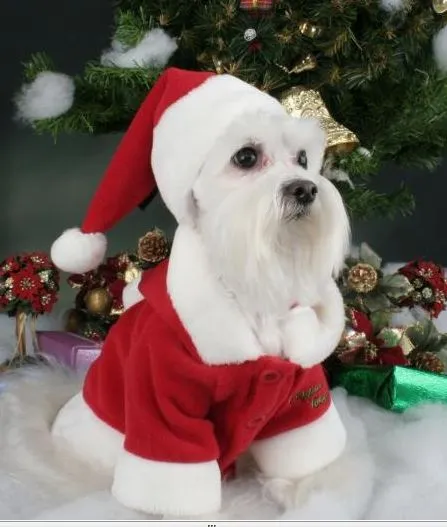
(362, 278)
(73, 320)
(98, 301)
(302, 102)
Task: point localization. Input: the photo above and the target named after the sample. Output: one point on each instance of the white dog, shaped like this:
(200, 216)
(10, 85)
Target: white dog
(261, 236)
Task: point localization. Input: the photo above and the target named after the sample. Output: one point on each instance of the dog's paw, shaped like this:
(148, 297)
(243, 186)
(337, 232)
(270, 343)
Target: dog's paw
(300, 337)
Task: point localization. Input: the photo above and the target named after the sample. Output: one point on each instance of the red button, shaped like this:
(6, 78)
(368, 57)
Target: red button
(271, 376)
(254, 423)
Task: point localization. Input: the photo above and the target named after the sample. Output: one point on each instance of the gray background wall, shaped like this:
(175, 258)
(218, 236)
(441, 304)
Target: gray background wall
(45, 187)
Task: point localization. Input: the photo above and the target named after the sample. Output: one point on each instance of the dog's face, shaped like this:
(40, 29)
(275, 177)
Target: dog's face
(260, 196)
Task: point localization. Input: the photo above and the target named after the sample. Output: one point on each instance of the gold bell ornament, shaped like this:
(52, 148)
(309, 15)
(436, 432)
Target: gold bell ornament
(302, 102)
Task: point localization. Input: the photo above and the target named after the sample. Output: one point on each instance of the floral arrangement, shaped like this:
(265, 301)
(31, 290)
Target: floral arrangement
(29, 283)
(373, 297)
(98, 302)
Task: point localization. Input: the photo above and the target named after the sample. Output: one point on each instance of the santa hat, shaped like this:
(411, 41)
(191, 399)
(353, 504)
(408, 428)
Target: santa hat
(165, 146)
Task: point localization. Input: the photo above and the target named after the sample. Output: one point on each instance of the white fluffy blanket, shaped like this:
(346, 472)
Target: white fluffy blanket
(393, 469)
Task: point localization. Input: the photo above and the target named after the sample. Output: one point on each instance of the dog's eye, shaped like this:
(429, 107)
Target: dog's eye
(301, 159)
(245, 158)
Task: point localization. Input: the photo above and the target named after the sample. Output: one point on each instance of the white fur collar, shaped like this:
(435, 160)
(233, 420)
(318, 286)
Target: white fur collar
(217, 327)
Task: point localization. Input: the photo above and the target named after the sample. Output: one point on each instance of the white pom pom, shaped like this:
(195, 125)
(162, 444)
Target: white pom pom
(336, 174)
(131, 293)
(440, 49)
(49, 95)
(153, 50)
(77, 252)
(394, 5)
(364, 151)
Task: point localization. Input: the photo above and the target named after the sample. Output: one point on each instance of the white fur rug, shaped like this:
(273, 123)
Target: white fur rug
(393, 469)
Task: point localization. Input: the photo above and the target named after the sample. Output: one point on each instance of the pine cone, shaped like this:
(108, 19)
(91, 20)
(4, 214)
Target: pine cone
(362, 278)
(153, 247)
(427, 361)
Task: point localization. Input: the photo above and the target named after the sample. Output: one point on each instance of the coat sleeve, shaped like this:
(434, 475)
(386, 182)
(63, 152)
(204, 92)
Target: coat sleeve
(305, 435)
(168, 463)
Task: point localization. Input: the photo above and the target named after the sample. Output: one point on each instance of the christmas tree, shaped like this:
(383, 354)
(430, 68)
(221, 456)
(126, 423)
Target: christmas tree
(374, 71)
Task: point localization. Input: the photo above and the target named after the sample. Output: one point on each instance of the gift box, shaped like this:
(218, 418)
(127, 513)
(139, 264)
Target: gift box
(395, 388)
(69, 349)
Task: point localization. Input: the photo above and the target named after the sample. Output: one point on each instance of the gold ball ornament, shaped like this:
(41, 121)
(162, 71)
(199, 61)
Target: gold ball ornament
(362, 278)
(98, 301)
(73, 321)
(309, 30)
(440, 6)
(302, 102)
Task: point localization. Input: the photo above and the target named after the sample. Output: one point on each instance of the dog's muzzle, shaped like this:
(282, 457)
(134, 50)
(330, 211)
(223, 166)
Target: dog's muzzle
(298, 195)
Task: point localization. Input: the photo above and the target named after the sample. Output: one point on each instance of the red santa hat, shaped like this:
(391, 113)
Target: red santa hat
(165, 146)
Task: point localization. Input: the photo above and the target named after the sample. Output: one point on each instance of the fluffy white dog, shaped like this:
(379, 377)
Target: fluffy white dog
(189, 380)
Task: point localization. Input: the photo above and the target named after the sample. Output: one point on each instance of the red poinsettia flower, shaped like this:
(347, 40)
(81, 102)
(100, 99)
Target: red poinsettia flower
(8, 266)
(25, 285)
(384, 356)
(38, 260)
(44, 303)
(430, 286)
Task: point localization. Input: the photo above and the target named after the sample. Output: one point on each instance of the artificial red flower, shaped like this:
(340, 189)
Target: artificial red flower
(426, 277)
(116, 291)
(44, 303)
(25, 285)
(39, 260)
(8, 266)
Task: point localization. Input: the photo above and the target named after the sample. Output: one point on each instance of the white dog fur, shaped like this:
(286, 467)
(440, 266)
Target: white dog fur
(239, 262)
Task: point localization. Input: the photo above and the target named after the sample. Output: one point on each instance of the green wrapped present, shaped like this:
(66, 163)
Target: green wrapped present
(395, 388)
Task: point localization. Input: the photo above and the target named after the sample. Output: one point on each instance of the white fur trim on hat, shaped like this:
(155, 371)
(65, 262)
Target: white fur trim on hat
(209, 110)
(77, 252)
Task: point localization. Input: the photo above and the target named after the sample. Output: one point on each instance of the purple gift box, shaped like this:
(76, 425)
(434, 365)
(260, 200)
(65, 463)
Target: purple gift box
(69, 349)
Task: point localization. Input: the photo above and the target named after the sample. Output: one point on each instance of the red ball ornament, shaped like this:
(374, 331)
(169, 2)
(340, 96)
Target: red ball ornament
(256, 6)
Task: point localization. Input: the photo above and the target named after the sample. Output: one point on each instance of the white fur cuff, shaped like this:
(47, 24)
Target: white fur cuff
(157, 487)
(302, 451)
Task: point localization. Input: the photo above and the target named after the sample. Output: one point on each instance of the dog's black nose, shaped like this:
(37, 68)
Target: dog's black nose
(303, 190)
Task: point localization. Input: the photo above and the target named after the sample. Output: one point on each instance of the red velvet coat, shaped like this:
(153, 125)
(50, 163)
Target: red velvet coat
(150, 384)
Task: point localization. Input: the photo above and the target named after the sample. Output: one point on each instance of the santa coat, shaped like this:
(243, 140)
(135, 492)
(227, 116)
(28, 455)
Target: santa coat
(151, 385)
(182, 388)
